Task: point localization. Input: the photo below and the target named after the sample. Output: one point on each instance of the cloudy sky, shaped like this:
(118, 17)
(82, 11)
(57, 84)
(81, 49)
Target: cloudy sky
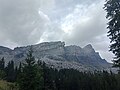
(79, 22)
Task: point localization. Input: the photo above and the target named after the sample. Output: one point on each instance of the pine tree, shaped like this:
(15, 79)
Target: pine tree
(112, 8)
(2, 67)
(10, 71)
(30, 77)
(2, 64)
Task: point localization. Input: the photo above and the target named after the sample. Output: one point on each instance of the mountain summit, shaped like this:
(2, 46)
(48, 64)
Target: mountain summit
(89, 49)
(57, 55)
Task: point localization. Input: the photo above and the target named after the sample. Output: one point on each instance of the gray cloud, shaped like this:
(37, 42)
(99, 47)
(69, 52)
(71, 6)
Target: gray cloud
(79, 22)
(20, 21)
(87, 24)
(90, 22)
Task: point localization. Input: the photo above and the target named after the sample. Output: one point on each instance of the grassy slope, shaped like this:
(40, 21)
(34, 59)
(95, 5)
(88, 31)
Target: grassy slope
(7, 86)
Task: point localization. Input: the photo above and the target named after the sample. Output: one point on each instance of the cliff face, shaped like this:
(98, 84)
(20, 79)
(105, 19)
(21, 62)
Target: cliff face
(6, 53)
(57, 55)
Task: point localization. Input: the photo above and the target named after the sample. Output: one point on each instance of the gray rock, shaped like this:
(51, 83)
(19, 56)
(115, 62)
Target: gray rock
(57, 55)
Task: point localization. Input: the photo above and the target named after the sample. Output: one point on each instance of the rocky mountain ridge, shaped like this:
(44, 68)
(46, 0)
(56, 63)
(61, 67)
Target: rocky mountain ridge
(57, 55)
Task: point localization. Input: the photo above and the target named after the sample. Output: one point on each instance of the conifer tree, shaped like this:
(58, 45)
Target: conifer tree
(2, 64)
(10, 71)
(2, 67)
(112, 8)
(30, 77)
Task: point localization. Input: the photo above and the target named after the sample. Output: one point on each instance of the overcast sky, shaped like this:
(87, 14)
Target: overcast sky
(79, 22)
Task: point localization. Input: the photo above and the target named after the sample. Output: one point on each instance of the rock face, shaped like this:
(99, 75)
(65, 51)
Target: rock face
(6, 53)
(57, 55)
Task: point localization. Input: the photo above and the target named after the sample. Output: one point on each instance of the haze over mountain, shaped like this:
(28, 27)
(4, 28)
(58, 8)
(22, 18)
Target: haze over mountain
(58, 55)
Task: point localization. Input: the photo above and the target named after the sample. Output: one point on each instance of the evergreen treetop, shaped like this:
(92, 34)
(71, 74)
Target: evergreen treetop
(112, 8)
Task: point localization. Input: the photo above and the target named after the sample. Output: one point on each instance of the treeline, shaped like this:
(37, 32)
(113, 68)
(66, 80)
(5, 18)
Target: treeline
(37, 76)
(70, 79)
(8, 72)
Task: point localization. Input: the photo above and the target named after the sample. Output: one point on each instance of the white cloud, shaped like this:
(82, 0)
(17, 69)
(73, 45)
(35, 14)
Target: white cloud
(87, 24)
(79, 22)
(20, 21)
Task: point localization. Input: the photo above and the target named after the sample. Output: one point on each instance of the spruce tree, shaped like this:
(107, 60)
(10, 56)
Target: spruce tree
(112, 8)
(10, 71)
(2, 69)
(2, 64)
(30, 77)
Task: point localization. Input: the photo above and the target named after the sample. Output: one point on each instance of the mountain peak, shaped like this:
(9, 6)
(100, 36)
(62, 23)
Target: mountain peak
(88, 46)
(57, 54)
(89, 49)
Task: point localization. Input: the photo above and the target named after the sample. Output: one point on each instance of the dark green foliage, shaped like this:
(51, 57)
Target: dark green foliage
(10, 72)
(30, 77)
(2, 64)
(2, 74)
(113, 15)
(7, 73)
(70, 79)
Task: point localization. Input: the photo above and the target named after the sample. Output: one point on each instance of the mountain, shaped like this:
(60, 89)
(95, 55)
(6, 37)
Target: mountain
(58, 55)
